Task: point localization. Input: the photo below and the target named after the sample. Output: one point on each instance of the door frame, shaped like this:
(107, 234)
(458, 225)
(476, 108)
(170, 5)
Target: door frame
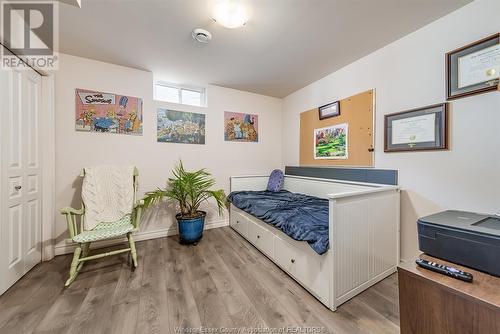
(47, 135)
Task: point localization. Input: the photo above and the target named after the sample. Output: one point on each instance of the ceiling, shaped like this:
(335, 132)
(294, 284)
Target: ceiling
(285, 45)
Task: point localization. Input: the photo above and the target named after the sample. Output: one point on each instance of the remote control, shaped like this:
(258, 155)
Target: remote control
(442, 269)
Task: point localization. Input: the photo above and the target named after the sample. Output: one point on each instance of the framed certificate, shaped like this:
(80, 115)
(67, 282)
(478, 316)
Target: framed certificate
(473, 69)
(417, 129)
(329, 110)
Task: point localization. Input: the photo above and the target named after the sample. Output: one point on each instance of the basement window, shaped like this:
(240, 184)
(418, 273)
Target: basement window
(193, 96)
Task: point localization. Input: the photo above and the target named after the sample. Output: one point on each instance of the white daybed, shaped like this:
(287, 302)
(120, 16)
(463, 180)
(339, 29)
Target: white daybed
(363, 236)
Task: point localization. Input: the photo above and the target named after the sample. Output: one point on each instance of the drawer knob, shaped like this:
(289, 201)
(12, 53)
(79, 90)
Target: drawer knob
(237, 222)
(258, 237)
(292, 260)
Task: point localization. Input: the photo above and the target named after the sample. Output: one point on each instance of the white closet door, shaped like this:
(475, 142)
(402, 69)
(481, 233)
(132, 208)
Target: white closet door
(20, 228)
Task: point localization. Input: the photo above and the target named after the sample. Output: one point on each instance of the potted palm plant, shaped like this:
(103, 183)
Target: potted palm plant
(188, 190)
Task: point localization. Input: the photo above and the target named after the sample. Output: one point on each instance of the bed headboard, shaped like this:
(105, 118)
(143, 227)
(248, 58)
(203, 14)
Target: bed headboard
(248, 182)
(366, 175)
(318, 187)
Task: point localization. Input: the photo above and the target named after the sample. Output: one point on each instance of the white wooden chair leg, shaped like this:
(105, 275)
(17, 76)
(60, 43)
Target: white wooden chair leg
(85, 252)
(74, 265)
(133, 252)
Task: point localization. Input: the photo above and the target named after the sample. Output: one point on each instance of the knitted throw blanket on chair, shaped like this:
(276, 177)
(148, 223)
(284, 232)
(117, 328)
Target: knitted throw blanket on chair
(108, 194)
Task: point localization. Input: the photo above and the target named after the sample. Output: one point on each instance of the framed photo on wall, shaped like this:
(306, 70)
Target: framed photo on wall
(417, 129)
(329, 110)
(474, 68)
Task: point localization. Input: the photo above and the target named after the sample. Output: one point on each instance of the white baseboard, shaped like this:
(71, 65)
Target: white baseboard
(69, 247)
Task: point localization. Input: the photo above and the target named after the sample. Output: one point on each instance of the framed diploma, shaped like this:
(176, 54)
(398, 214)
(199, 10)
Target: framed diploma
(329, 110)
(473, 69)
(417, 129)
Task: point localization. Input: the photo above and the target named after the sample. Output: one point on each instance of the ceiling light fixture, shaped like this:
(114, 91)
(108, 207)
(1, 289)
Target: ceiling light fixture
(230, 13)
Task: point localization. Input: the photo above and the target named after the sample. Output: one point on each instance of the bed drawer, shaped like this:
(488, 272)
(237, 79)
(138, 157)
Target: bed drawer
(261, 238)
(304, 267)
(239, 222)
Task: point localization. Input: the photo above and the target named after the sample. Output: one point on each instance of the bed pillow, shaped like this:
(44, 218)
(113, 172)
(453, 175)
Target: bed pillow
(275, 182)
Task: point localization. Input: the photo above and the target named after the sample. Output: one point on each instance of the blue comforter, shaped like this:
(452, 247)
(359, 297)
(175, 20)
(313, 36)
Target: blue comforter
(300, 216)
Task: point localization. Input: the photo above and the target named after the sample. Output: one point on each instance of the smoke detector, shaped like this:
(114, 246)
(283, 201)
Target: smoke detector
(201, 35)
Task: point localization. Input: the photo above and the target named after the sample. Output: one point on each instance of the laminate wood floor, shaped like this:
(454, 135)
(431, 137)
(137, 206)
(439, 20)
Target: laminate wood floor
(221, 282)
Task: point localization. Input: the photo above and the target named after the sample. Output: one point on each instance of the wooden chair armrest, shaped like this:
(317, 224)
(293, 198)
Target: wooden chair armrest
(72, 211)
(70, 214)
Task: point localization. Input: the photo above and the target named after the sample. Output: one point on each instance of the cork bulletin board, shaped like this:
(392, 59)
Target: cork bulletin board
(358, 112)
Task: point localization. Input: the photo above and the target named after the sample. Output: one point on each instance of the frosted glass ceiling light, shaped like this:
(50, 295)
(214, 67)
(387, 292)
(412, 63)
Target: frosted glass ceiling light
(230, 13)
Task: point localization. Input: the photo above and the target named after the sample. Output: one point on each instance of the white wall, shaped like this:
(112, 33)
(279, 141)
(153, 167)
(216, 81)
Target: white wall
(75, 150)
(410, 73)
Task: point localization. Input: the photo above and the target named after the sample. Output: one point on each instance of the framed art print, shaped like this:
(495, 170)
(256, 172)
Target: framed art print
(417, 129)
(329, 110)
(474, 68)
(107, 112)
(241, 127)
(174, 126)
(331, 142)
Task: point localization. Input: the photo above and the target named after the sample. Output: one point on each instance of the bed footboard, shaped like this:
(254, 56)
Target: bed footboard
(364, 235)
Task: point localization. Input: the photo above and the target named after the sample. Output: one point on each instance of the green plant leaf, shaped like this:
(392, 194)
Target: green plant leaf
(189, 190)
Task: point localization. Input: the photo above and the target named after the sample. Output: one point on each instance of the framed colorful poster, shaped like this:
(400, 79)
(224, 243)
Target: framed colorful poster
(107, 112)
(180, 127)
(241, 127)
(331, 142)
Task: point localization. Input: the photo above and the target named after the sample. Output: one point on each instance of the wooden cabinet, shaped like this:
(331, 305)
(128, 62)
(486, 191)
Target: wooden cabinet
(433, 303)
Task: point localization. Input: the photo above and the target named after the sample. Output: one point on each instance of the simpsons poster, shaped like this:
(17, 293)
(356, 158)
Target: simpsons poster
(106, 112)
(241, 127)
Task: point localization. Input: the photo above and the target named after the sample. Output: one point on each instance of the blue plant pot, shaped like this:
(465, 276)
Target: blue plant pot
(191, 229)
